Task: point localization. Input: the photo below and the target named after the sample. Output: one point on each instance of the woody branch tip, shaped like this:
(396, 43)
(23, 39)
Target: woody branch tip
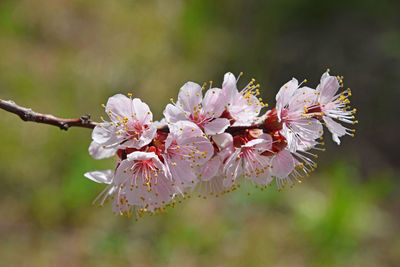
(27, 114)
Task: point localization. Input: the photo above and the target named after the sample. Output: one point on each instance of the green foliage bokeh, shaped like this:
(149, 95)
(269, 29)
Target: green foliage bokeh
(68, 57)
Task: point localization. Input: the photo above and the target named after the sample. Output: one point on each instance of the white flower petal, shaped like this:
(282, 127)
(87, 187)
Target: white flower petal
(303, 96)
(141, 111)
(190, 96)
(211, 168)
(216, 126)
(242, 111)
(173, 114)
(283, 164)
(285, 93)
(139, 155)
(103, 133)
(335, 128)
(147, 136)
(97, 151)
(223, 140)
(229, 89)
(214, 102)
(182, 172)
(120, 106)
(102, 177)
(328, 87)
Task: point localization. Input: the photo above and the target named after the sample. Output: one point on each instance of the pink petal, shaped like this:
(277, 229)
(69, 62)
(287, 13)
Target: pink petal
(183, 132)
(304, 96)
(283, 164)
(285, 94)
(120, 175)
(102, 177)
(204, 146)
(335, 128)
(104, 133)
(303, 129)
(229, 89)
(254, 142)
(120, 106)
(211, 168)
(139, 155)
(268, 139)
(214, 102)
(147, 136)
(98, 152)
(190, 96)
(182, 172)
(223, 140)
(242, 111)
(308, 128)
(262, 143)
(173, 113)
(216, 126)
(232, 169)
(328, 87)
(141, 111)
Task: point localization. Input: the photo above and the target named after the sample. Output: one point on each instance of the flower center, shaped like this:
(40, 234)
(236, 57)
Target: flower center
(200, 119)
(135, 129)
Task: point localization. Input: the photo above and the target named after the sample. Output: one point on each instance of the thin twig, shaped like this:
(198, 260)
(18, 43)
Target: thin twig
(28, 114)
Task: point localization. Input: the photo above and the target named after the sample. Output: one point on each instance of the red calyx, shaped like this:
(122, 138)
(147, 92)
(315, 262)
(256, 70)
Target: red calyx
(159, 141)
(238, 141)
(227, 115)
(253, 134)
(272, 123)
(121, 154)
(315, 109)
(279, 144)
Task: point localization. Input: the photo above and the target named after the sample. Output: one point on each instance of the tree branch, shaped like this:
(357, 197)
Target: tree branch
(28, 114)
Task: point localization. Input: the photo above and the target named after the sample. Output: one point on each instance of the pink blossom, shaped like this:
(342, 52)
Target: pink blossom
(333, 106)
(186, 150)
(223, 148)
(103, 177)
(212, 172)
(241, 107)
(120, 205)
(299, 129)
(287, 167)
(130, 127)
(247, 160)
(213, 143)
(144, 181)
(205, 112)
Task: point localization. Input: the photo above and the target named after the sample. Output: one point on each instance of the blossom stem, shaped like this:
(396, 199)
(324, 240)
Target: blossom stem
(27, 114)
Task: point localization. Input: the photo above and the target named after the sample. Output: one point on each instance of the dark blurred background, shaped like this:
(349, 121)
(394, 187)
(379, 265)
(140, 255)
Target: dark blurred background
(66, 57)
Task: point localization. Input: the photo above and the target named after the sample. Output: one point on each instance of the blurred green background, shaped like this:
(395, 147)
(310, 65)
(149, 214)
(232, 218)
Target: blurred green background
(66, 57)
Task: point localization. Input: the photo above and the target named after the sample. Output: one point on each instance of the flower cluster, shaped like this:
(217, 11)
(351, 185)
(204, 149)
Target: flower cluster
(212, 143)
